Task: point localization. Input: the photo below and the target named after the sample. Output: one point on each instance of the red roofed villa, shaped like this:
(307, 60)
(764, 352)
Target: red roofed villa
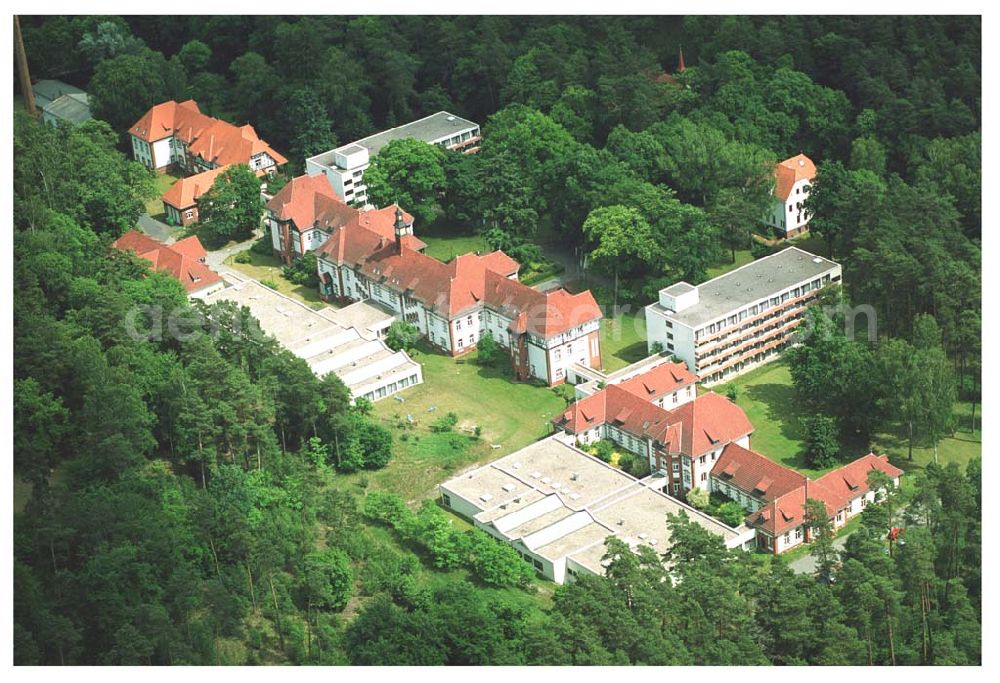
(775, 496)
(184, 260)
(181, 201)
(681, 443)
(177, 134)
(374, 255)
(793, 178)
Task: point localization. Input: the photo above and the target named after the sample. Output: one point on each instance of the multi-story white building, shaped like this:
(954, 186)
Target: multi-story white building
(793, 180)
(345, 166)
(454, 304)
(741, 319)
(177, 134)
(556, 506)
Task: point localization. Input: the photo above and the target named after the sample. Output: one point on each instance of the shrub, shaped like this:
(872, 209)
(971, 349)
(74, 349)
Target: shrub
(388, 508)
(698, 498)
(487, 350)
(731, 513)
(401, 336)
(269, 283)
(604, 449)
(732, 393)
(243, 257)
(445, 423)
(263, 246)
(635, 465)
(302, 271)
(656, 347)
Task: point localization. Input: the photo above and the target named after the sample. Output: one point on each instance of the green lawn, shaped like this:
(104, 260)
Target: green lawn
(154, 207)
(446, 247)
(623, 340)
(773, 407)
(743, 257)
(509, 414)
(268, 267)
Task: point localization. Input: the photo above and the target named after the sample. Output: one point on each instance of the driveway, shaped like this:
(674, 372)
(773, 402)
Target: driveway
(574, 272)
(807, 564)
(158, 230)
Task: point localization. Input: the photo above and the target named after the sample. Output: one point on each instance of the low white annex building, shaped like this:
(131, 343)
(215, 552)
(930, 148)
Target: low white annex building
(348, 342)
(740, 319)
(345, 166)
(556, 505)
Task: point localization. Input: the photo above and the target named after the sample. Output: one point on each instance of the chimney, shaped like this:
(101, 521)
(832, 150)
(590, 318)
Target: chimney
(400, 229)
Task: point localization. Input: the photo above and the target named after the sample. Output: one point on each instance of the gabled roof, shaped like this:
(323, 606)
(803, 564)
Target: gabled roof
(214, 140)
(452, 288)
(846, 483)
(542, 314)
(693, 429)
(755, 474)
(309, 201)
(185, 193)
(708, 422)
(791, 171)
(181, 260)
(661, 380)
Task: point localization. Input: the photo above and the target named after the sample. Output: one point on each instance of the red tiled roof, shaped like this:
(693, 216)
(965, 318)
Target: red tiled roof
(182, 262)
(755, 474)
(846, 483)
(184, 193)
(791, 171)
(661, 380)
(190, 247)
(383, 222)
(454, 287)
(710, 420)
(309, 201)
(215, 140)
(542, 314)
(693, 429)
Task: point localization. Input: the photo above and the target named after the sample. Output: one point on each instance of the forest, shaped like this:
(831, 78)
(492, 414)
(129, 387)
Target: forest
(184, 505)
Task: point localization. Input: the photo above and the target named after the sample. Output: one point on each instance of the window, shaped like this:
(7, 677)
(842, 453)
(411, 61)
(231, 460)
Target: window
(189, 214)
(459, 343)
(469, 320)
(798, 533)
(788, 537)
(675, 397)
(472, 340)
(458, 324)
(677, 487)
(704, 476)
(790, 208)
(677, 467)
(701, 460)
(670, 347)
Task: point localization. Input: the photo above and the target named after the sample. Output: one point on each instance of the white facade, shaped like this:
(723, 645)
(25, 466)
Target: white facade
(790, 216)
(547, 359)
(741, 319)
(344, 167)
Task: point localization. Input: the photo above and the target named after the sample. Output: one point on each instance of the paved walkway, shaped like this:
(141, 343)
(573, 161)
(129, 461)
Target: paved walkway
(158, 230)
(215, 259)
(573, 272)
(807, 564)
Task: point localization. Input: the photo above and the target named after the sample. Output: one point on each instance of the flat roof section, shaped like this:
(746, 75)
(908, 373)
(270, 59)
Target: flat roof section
(430, 128)
(750, 283)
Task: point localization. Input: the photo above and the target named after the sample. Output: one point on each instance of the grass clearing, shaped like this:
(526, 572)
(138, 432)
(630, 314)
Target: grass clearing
(446, 247)
(154, 206)
(509, 414)
(623, 340)
(771, 402)
(264, 267)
